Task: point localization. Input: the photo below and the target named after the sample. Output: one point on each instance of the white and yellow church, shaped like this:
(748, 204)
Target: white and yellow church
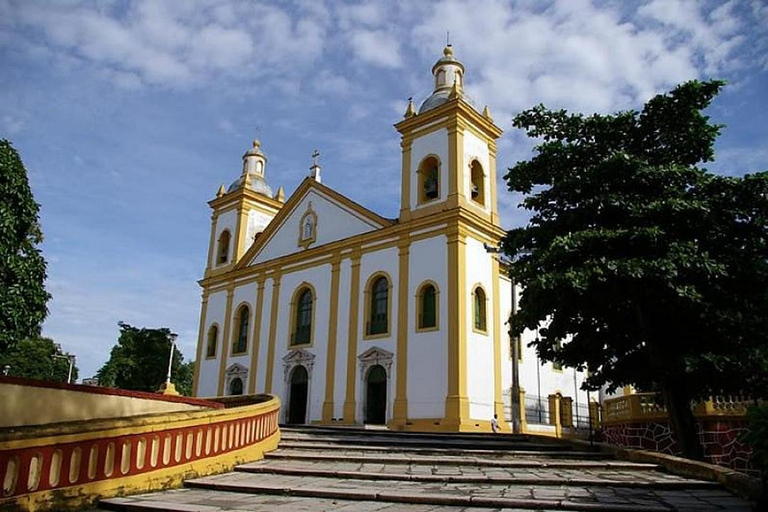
(353, 318)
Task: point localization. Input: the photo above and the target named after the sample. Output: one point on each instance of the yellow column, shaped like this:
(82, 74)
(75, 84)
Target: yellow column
(225, 340)
(455, 164)
(212, 242)
(330, 360)
(241, 230)
(498, 400)
(405, 188)
(201, 341)
(493, 185)
(354, 297)
(400, 409)
(258, 313)
(272, 331)
(456, 402)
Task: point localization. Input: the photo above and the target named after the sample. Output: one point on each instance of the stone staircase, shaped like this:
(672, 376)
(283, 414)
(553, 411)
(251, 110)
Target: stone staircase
(341, 469)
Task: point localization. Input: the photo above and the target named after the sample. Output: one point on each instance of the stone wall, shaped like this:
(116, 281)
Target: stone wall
(718, 436)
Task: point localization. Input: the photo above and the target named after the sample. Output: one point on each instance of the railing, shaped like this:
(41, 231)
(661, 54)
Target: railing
(86, 459)
(648, 406)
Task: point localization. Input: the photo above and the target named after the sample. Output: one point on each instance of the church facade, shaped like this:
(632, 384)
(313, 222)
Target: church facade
(353, 318)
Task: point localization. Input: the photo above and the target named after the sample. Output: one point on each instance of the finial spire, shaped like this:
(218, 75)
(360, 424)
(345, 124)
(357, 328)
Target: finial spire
(410, 111)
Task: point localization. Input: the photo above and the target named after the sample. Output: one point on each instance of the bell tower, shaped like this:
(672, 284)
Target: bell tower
(448, 150)
(241, 212)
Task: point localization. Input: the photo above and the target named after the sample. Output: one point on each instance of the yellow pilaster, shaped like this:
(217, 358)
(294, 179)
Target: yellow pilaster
(330, 360)
(405, 188)
(201, 341)
(456, 402)
(400, 408)
(259, 313)
(354, 297)
(225, 340)
(498, 401)
(272, 331)
(212, 242)
(241, 230)
(455, 163)
(493, 184)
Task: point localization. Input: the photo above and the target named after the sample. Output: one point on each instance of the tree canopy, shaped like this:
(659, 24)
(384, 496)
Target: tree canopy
(22, 268)
(653, 270)
(38, 358)
(139, 360)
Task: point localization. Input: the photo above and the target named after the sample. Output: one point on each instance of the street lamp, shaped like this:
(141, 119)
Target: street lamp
(71, 359)
(6, 369)
(168, 388)
(513, 342)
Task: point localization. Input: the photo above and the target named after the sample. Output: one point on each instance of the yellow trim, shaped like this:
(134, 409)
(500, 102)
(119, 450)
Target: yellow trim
(405, 180)
(451, 109)
(241, 231)
(212, 241)
(258, 314)
(475, 328)
(400, 406)
(456, 401)
(498, 406)
(420, 197)
(200, 332)
(208, 340)
(225, 336)
(368, 297)
(419, 306)
(330, 360)
(493, 185)
(272, 331)
(236, 334)
(455, 163)
(293, 309)
(354, 306)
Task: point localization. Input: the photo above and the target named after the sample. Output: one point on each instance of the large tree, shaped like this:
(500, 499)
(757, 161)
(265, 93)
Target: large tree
(38, 358)
(139, 360)
(652, 269)
(22, 267)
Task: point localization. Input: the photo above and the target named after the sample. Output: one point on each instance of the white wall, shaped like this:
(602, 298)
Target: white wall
(245, 294)
(480, 356)
(476, 149)
(435, 143)
(428, 351)
(208, 376)
(342, 339)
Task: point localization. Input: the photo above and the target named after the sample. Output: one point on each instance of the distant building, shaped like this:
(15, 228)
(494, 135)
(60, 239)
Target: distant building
(353, 318)
(93, 381)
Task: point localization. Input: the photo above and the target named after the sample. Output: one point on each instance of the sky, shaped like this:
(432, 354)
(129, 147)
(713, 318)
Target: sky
(129, 115)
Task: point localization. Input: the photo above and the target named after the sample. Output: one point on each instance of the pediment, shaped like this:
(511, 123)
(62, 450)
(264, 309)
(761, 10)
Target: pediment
(299, 356)
(333, 216)
(237, 369)
(376, 355)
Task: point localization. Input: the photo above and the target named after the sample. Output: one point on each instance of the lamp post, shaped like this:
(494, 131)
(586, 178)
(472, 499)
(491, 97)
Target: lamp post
(168, 388)
(513, 345)
(71, 359)
(6, 369)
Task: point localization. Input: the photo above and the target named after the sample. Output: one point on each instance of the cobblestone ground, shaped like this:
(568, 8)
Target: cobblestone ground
(311, 474)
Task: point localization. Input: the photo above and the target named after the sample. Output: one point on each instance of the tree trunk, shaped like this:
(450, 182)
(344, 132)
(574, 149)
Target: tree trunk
(681, 420)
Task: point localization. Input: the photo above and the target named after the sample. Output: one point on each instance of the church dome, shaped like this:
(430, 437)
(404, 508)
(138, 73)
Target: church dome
(449, 79)
(252, 178)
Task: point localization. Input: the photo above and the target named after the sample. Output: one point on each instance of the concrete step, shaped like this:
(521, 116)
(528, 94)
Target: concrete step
(596, 477)
(437, 450)
(361, 457)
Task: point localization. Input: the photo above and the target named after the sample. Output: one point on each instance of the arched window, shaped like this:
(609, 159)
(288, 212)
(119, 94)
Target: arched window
(222, 254)
(477, 182)
(429, 179)
(427, 307)
(236, 386)
(302, 330)
(213, 340)
(241, 333)
(378, 319)
(479, 307)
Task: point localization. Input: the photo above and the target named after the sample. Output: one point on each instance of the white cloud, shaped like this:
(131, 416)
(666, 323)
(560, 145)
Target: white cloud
(377, 47)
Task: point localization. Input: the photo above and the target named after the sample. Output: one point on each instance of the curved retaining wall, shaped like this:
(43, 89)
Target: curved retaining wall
(69, 465)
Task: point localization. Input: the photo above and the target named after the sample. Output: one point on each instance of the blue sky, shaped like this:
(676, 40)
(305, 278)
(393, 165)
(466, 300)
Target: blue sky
(130, 114)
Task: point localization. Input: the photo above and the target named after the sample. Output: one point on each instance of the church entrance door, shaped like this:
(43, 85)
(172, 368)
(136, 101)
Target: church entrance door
(297, 398)
(376, 396)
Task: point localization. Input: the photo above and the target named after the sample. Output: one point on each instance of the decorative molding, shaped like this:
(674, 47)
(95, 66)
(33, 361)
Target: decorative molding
(374, 356)
(298, 357)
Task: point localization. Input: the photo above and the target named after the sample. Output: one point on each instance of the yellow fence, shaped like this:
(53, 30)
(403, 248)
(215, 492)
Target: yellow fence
(647, 407)
(70, 465)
